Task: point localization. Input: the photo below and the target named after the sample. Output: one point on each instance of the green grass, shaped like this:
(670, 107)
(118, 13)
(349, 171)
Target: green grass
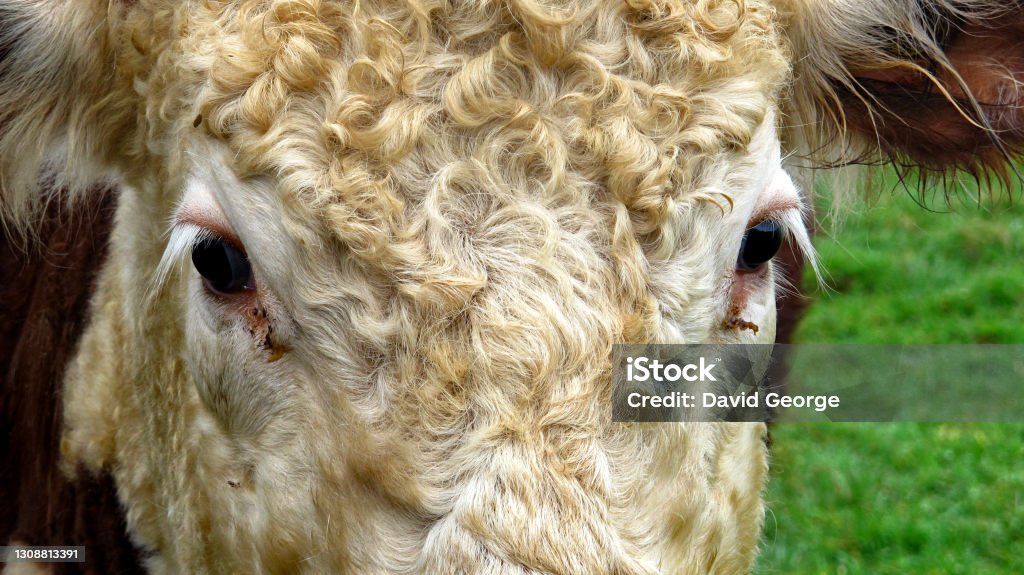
(907, 498)
(904, 274)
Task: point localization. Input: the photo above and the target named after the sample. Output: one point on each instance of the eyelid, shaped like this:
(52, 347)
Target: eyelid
(778, 209)
(214, 226)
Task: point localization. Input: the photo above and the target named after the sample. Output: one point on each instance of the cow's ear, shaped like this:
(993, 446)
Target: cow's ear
(933, 84)
(59, 113)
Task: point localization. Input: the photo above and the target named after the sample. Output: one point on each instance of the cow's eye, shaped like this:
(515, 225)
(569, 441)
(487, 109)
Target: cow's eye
(224, 267)
(759, 245)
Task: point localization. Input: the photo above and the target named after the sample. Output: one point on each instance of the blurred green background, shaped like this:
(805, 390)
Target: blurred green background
(907, 498)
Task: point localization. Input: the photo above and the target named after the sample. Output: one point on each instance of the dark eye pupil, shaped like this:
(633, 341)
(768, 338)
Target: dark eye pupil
(760, 244)
(225, 268)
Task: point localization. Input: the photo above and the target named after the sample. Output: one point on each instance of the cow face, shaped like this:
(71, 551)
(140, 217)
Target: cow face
(371, 258)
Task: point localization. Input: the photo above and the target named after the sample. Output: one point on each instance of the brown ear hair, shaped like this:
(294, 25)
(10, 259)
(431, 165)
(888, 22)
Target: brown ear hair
(58, 106)
(932, 84)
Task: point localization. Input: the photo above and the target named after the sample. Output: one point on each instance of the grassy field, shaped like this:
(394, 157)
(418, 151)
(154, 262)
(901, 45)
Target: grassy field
(907, 498)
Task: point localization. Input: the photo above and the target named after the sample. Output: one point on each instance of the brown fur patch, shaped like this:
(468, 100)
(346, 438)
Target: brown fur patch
(929, 85)
(43, 303)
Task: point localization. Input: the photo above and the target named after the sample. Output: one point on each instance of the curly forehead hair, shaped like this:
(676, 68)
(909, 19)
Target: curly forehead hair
(632, 97)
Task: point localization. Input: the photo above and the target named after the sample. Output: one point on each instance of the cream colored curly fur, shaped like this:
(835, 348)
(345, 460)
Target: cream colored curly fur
(454, 210)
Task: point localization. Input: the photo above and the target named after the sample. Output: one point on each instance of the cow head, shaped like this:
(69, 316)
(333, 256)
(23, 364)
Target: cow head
(371, 257)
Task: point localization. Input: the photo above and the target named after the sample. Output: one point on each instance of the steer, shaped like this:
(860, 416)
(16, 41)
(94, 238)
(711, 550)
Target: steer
(369, 258)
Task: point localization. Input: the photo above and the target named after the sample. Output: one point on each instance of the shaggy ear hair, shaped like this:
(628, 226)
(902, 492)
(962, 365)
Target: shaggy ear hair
(930, 84)
(57, 110)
